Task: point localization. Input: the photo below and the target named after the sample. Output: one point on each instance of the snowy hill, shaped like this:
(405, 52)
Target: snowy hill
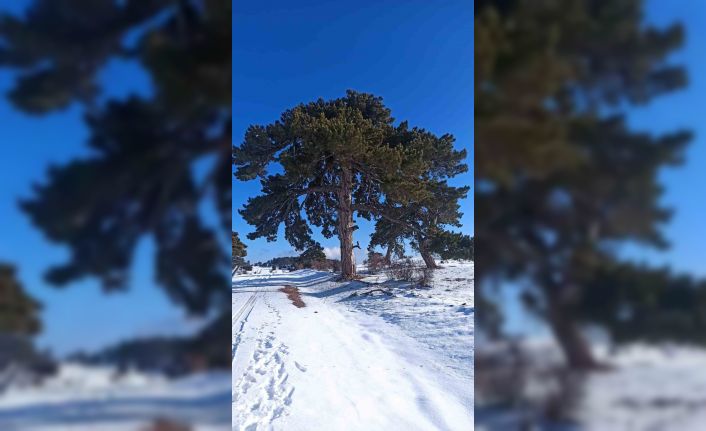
(86, 398)
(397, 359)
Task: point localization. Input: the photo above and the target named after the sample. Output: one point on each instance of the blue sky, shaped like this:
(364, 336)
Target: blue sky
(685, 189)
(417, 55)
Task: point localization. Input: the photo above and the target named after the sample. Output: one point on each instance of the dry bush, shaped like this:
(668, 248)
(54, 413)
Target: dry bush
(321, 265)
(406, 270)
(163, 424)
(294, 296)
(543, 392)
(376, 262)
(403, 270)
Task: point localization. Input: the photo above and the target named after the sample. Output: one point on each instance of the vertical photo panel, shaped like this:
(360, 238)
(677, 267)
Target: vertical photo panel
(352, 286)
(589, 161)
(114, 215)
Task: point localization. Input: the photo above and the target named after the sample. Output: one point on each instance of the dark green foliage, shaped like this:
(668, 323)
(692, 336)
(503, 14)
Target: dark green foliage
(560, 178)
(339, 158)
(641, 303)
(452, 245)
(280, 262)
(137, 180)
(312, 255)
(423, 223)
(19, 312)
(238, 251)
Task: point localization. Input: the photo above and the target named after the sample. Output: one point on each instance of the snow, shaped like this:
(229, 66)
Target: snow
(352, 363)
(648, 387)
(91, 398)
(651, 388)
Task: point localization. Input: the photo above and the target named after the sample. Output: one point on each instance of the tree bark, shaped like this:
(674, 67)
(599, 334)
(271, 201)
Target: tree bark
(426, 254)
(388, 255)
(345, 225)
(568, 334)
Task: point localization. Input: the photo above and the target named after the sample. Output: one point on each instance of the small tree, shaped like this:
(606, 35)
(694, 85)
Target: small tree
(375, 262)
(239, 251)
(312, 256)
(19, 312)
(452, 245)
(422, 223)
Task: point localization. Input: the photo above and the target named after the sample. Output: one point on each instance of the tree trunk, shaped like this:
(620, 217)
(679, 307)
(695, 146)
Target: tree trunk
(345, 225)
(568, 334)
(426, 254)
(388, 255)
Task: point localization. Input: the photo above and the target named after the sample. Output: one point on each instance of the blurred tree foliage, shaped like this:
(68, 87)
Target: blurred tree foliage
(140, 177)
(561, 179)
(19, 312)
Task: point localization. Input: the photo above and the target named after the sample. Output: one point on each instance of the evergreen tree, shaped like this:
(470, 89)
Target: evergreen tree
(339, 158)
(452, 245)
(239, 251)
(435, 206)
(19, 312)
(137, 180)
(560, 178)
(312, 255)
(422, 223)
(390, 236)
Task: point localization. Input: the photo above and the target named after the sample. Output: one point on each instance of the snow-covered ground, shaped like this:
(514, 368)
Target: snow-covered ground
(648, 387)
(379, 362)
(83, 398)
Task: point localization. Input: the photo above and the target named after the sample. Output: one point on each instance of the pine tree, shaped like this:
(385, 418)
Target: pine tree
(560, 178)
(19, 312)
(137, 180)
(239, 251)
(452, 245)
(423, 223)
(436, 204)
(312, 255)
(339, 158)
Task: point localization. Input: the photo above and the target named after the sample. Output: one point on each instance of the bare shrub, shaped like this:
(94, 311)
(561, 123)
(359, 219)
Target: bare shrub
(163, 424)
(321, 265)
(542, 392)
(375, 262)
(403, 270)
(294, 296)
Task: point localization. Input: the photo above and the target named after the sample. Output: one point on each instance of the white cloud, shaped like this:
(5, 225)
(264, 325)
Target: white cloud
(332, 252)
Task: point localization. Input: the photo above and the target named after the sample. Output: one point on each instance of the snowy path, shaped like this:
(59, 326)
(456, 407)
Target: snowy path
(325, 367)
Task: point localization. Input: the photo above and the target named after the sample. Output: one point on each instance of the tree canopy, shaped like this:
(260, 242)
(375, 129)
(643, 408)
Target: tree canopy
(561, 178)
(338, 158)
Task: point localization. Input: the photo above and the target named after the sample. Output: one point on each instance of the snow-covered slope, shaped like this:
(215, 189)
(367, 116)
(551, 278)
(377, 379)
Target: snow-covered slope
(378, 362)
(83, 398)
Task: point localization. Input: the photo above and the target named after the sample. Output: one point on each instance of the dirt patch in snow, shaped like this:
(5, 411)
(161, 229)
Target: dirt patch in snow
(294, 296)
